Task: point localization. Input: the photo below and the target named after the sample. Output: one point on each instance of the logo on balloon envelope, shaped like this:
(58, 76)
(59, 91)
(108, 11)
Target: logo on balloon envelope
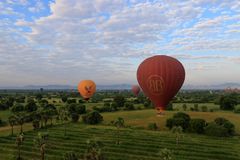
(155, 84)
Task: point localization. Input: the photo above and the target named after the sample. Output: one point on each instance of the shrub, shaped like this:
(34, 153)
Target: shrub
(93, 117)
(75, 117)
(214, 129)
(152, 126)
(197, 125)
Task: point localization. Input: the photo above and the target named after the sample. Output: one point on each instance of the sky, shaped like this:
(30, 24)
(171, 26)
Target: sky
(64, 41)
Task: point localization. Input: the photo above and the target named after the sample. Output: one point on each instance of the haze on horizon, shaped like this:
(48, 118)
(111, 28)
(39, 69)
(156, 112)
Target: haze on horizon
(64, 41)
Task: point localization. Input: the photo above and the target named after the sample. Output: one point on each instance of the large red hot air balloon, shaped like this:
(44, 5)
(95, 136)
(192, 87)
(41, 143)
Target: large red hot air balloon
(135, 89)
(160, 78)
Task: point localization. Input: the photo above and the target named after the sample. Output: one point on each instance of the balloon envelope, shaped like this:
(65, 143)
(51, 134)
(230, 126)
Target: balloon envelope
(135, 89)
(160, 78)
(86, 88)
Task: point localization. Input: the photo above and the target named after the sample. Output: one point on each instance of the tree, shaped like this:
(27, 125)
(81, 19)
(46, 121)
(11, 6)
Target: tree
(94, 151)
(165, 154)
(40, 112)
(119, 123)
(41, 142)
(39, 96)
(129, 106)
(93, 117)
(20, 118)
(43, 103)
(197, 125)
(196, 107)
(177, 130)
(204, 108)
(119, 100)
(75, 117)
(152, 126)
(52, 112)
(220, 121)
(184, 107)
(214, 129)
(64, 99)
(71, 156)
(31, 106)
(63, 115)
(169, 106)
(226, 124)
(185, 117)
(19, 143)
(178, 119)
(12, 122)
(228, 102)
(17, 108)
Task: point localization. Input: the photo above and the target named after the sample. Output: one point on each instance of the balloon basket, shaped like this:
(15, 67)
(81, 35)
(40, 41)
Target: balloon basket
(160, 114)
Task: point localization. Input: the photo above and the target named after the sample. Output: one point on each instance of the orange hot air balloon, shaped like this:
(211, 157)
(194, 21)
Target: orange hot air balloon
(160, 78)
(86, 88)
(135, 90)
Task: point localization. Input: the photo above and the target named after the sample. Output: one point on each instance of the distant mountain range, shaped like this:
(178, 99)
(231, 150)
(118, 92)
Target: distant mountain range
(123, 86)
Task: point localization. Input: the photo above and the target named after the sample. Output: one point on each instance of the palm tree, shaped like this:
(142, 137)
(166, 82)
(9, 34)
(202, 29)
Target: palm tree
(177, 130)
(63, 115)
(119, 123)
(41, 142)
(71, 156)
(165, 154)
(19, 142)
(12, 122)
(94, 151)
(20, 118)
(40, 111)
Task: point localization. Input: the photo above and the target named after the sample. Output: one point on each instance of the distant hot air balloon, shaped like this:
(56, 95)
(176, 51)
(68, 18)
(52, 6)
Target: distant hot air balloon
(160, 78)
(135, 89)
(86, 88)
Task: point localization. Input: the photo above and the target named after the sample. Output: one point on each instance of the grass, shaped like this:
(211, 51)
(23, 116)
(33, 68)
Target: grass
(133, 144)
(141, 118)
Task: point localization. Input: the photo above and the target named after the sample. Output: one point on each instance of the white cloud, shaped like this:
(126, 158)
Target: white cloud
(103, 39)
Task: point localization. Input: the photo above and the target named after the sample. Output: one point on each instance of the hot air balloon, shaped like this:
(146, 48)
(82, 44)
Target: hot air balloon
(135, 90)
(86, 88)
(160, 78)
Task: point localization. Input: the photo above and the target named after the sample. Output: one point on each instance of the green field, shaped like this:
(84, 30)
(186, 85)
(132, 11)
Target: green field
(135, 144)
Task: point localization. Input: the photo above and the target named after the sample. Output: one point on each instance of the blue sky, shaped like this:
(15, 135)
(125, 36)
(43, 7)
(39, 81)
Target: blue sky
(64, 41)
